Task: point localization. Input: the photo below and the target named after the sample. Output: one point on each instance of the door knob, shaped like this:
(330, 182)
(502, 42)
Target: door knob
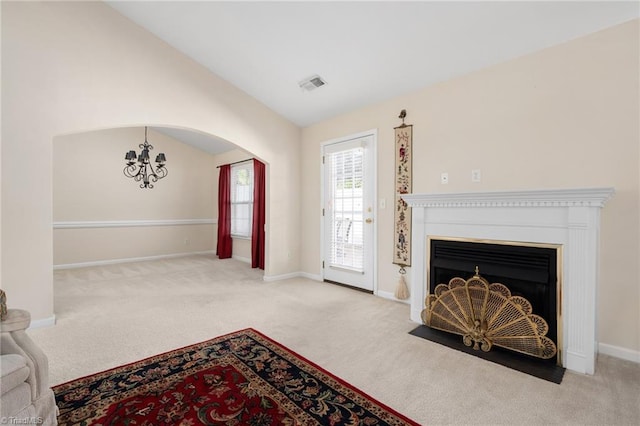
(369, 220)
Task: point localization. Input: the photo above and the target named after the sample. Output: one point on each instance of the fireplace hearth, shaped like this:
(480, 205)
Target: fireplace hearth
(543, 370)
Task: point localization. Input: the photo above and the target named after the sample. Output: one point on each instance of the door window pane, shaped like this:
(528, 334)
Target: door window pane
(347, 213)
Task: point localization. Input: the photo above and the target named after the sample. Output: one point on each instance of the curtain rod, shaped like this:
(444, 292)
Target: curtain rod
(235, 162)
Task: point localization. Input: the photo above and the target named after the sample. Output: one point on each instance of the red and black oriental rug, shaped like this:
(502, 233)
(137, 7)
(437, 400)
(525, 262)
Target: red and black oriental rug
(243, 378)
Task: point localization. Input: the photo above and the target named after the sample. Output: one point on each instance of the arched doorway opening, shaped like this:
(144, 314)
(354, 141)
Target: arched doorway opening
(100, 216)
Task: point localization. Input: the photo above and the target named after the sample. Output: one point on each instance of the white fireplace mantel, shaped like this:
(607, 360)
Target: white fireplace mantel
(569, 218)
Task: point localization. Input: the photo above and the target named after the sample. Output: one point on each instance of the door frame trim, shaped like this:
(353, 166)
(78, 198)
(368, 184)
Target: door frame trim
(374, 134)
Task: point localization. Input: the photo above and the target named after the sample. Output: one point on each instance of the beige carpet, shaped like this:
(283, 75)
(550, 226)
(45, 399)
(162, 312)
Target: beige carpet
(112, 315)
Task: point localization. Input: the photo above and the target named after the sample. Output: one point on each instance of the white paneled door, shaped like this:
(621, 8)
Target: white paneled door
(348, 211)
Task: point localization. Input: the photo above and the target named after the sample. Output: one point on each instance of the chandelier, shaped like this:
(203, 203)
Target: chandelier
(144, 170)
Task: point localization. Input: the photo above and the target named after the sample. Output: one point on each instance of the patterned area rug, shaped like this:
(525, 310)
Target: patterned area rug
(243, 378)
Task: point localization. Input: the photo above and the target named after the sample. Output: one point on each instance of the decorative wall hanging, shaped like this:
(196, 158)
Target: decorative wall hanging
(403, 178)
(144, 170)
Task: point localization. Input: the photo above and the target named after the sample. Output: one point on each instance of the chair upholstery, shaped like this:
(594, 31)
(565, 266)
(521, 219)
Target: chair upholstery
(25, 393)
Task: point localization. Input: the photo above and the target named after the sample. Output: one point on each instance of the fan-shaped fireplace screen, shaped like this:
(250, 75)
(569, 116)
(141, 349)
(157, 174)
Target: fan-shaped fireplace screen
(487, 315)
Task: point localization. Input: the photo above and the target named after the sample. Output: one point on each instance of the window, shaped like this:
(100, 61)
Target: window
(242, 199)
(347, 214)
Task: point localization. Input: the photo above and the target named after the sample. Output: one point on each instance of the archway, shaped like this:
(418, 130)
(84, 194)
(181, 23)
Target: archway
(101, 217)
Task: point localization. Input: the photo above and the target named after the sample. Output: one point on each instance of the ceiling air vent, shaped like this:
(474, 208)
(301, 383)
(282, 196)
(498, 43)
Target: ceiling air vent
(312, 83)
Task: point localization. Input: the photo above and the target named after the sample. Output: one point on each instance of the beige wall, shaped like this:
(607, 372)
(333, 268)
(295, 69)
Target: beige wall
(564, 117)
(89, 186)
(75, 247)
(70, 67)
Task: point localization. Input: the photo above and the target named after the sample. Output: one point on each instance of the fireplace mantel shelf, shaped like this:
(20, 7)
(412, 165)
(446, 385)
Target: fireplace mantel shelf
(569, 218)
(580, 197)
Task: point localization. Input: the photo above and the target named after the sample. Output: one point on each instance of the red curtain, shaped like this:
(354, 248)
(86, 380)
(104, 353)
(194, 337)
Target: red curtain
(225, 242)
(257, 230)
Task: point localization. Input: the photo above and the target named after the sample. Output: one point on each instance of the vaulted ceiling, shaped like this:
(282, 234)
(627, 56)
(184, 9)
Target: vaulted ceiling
(366, 51)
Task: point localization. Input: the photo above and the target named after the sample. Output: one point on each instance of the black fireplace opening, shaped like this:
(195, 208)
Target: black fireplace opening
(530, 271)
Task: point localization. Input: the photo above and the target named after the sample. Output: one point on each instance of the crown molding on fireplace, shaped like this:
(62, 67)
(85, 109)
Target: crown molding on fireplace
(566, 217)
(588, 197)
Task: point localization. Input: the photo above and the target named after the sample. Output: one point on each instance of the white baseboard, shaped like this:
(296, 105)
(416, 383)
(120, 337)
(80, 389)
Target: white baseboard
(391, 296)
(618, 352)
(241, 259)
(314, 277)
(44, 322)
(269, 278)
(127, 260)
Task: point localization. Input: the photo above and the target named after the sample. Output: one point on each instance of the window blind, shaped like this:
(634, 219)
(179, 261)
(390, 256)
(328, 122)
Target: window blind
(347, 208)
(241, 199)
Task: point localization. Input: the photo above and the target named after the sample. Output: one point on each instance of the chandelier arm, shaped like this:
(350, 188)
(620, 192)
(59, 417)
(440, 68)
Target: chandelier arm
(129, 170)
(161, 171)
